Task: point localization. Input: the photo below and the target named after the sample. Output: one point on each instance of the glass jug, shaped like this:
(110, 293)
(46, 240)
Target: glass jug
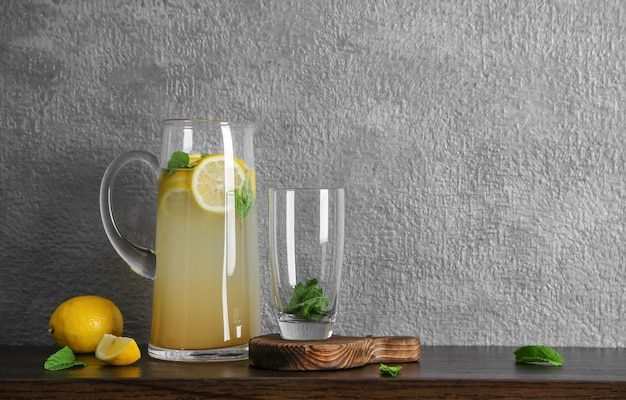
(205, 262)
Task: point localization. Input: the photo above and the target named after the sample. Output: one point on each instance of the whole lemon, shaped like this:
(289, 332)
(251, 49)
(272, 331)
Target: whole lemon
(81, 321)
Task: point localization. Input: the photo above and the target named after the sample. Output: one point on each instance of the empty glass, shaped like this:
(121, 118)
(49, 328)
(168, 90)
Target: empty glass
(306, 237)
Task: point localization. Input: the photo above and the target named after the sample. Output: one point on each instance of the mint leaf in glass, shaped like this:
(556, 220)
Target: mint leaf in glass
(538, 354)
(62, 359)
(307, 301)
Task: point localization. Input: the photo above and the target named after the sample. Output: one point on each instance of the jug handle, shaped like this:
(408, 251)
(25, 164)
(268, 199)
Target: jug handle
(141, 260)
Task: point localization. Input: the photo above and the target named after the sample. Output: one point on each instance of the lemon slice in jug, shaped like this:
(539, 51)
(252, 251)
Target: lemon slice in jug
(213, 177)
(174, 193)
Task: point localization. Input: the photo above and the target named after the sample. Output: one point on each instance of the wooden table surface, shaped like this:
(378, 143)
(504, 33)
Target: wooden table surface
(443, 372)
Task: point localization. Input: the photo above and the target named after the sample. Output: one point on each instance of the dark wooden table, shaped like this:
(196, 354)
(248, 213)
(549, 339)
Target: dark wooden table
(443, 372)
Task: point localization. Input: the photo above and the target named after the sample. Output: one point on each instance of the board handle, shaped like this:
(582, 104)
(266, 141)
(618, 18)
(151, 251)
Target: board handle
(394, 349)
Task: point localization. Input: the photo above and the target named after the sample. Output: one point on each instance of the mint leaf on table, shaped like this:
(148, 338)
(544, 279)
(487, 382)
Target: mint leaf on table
(533, 354)
(387, 370)
(308, 301)
(62, 359)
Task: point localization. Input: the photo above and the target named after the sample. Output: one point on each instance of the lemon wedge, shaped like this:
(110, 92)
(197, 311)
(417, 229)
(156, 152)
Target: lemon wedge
(213, 177)
(117, 350)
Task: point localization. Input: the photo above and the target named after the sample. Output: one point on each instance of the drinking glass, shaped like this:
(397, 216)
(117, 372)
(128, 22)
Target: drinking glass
(306, 237)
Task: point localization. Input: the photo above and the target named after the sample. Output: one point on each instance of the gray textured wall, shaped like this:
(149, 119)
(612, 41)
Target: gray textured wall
(481, 144)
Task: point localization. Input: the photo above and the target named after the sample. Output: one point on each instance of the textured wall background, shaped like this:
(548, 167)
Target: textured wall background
(481, 142)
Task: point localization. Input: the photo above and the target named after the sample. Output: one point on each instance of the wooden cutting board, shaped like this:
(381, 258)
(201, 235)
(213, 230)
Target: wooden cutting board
(336, 352)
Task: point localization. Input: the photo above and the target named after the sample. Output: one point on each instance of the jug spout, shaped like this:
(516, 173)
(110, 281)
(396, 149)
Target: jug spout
(141, 259)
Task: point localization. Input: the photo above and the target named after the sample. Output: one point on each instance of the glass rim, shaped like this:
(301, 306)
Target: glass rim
(177, 121)
(305, 189)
